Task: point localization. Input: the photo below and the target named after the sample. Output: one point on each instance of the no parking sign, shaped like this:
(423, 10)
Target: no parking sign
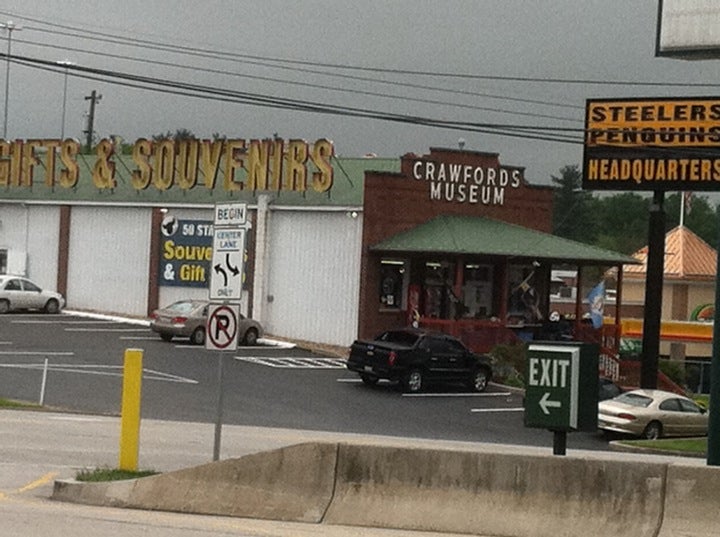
(222, 327)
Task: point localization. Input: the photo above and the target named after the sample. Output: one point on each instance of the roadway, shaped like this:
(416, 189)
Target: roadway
(264, 386)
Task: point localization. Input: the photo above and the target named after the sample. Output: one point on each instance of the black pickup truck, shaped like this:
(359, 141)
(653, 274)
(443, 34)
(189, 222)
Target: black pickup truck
(416, 357)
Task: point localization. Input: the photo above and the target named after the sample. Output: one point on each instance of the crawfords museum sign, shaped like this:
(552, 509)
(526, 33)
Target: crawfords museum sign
(463, 183)
(162, 170)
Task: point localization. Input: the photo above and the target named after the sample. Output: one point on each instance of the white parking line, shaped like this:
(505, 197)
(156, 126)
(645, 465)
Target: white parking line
(57, 321)
(292, 362)
(144, 330)
(39, 353)
(518, 409)
(101, 369)
(469, 394)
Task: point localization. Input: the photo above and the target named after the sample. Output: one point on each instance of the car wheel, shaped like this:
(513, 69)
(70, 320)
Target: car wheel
(198, 336)
(479, 380)
(4, 306)
(251, 337)
(166, 337)
(653, 431)
(413, 382)
(369, 380)
(52, 306)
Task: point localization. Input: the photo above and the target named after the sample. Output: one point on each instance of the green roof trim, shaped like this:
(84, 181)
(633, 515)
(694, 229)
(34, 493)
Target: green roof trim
(478, 235)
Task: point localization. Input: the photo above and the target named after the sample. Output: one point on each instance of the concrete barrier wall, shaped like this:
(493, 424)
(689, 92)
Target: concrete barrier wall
(433, 490)
(692, 502)
(290, 484)
(495, 494)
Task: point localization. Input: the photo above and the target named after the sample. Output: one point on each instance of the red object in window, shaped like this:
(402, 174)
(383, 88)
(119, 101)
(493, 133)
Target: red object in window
(391, 358)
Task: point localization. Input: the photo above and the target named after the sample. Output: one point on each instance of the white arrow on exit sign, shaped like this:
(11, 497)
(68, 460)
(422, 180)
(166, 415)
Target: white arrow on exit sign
(545, 403)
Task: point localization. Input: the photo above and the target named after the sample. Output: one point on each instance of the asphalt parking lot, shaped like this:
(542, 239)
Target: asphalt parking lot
(265, 385)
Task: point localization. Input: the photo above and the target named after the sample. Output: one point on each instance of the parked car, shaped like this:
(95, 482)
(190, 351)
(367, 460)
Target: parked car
(652, 414)
(416, 357)
(18, 293)
(187, 318)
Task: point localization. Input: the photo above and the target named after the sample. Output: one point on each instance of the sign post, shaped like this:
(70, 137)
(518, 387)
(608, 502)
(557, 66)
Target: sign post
(225, 290)
(562, 389)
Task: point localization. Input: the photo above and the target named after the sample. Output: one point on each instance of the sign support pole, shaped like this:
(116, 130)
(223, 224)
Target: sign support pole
(713, 452)
(219, 412)
(653, 293)
(559, 442)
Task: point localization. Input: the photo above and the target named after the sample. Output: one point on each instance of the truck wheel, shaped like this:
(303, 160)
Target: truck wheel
(413, 381)
(479, 380)
(369, 380)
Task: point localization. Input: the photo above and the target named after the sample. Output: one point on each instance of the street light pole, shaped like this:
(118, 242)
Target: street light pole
(66, 64)
(9, 26)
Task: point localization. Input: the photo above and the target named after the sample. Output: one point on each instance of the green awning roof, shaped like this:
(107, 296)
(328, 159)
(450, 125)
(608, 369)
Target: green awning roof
(483, 236)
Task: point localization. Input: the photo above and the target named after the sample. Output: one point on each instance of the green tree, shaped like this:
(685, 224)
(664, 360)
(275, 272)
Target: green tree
(621, 222)
(572, 207)
(180, 134)
(700, 216)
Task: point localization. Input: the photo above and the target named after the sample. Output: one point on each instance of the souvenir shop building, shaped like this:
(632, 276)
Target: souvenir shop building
(339, 248)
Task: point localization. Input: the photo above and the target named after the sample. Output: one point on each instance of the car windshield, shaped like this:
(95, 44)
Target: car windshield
(634, 399)
(399, 336)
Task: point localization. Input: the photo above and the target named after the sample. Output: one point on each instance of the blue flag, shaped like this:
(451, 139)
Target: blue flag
(596, 298)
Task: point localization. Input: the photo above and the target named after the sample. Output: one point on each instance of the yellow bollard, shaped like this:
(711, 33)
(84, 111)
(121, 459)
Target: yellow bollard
(130, 410)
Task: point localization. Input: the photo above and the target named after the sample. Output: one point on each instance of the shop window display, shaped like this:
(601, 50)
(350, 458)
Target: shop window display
(392, 282)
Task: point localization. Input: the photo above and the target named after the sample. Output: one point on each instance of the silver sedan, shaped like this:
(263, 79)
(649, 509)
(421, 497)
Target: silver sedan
(18, 293)
(187, 318)
(652, 414)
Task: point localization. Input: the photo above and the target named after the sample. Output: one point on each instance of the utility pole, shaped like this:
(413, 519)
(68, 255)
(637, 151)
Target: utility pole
(10, 26)
(94, 98)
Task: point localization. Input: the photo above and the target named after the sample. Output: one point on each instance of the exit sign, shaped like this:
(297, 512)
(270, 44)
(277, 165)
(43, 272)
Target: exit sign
(561, 389)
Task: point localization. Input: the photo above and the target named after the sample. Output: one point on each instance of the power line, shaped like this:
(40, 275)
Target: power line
(208, 92)
(213, 53)
(342, 90)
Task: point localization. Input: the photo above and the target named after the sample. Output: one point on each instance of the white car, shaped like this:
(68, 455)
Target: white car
(18, 293)
(652, 414)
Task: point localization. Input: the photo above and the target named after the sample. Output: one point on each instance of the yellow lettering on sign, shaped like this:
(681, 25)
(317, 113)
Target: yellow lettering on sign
(191, 253)
(104, 169)
(210, 153)
(234, 150)
(664, 123)
(50, 157)
(164, 164)
(70, 174)
(296, 173)
(192, 273)
(322, 180)
(258, 164)
(186, 164)
(140, 178)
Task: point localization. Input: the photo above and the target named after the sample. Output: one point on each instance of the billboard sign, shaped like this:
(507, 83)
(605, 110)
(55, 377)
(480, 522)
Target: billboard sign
(652, 144)
(185, 252)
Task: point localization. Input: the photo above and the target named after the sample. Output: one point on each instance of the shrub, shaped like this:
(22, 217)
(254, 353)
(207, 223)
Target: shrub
(674, 370)
(509, 363)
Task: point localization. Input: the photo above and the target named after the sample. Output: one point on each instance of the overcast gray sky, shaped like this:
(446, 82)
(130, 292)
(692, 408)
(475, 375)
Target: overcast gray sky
(292, 50)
